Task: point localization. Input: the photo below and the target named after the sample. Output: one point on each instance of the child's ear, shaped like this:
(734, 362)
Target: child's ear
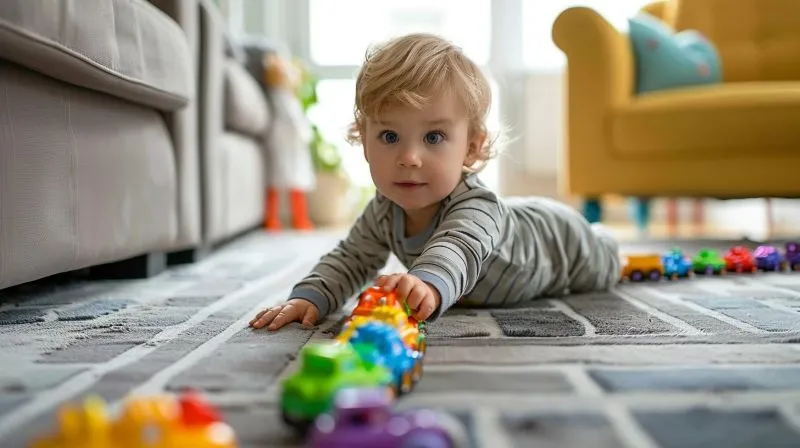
(474, 148)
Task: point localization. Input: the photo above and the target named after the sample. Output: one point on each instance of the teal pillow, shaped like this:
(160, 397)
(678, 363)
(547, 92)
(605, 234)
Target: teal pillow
(666, 60)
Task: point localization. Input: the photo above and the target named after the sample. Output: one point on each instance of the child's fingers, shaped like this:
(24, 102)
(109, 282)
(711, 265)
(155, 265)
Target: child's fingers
(414, 297)
(287, 314)
(425, 309)
(264, 317)
(391, 281)
(404, 287)
(310, 317)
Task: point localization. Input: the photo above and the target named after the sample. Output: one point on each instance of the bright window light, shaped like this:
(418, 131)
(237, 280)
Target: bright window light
(538, 16)
(341, 31)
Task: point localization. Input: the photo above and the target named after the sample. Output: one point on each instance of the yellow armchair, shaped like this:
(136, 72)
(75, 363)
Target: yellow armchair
(736, 139)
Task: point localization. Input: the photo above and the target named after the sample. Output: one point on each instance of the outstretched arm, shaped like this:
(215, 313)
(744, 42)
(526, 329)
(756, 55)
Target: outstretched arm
(345, 270)
(470, 229)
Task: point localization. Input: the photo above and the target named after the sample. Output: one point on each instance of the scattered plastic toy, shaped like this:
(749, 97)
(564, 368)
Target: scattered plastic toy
(163, 421)
(326, 368)
(362, 418)
(739, 259)
(767, 258)
(708, 262)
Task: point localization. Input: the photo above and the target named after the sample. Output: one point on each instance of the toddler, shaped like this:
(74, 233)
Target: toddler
(419, 113)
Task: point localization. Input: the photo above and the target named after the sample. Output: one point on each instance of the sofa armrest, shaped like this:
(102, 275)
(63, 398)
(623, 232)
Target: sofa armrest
(184, 128)
(125, 48)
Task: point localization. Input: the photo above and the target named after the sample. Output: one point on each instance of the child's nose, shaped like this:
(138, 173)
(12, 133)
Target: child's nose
(409, 157)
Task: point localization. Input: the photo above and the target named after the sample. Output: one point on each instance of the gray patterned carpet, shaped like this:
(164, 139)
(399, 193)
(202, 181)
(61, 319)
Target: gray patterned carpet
(700, 363)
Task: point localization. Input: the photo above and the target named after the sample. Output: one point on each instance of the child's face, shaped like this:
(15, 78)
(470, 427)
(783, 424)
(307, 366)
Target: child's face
(416, 156)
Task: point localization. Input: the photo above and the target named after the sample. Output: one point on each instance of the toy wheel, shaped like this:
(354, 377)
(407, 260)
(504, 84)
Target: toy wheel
(796, 266)
(674, 276)
(636, 276)
(709, 270)
(654, 275)
(299, 425)
(425, 440)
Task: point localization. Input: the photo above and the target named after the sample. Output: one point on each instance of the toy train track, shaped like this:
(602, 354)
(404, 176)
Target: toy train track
(674, 265)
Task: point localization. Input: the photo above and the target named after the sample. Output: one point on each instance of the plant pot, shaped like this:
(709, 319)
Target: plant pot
(329, 202)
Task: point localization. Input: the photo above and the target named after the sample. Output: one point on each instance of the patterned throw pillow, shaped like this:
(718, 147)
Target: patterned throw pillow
(669, 60)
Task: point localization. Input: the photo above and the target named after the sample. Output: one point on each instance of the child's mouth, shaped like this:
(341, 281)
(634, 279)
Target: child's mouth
(409, 185)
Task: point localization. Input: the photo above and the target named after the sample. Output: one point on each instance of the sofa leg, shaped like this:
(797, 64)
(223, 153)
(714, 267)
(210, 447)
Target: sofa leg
(640, 209)
(143, 266)
(592, 210)
(188, 256)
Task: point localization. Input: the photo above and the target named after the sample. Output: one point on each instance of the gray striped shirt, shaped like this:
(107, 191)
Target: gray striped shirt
(479, 249)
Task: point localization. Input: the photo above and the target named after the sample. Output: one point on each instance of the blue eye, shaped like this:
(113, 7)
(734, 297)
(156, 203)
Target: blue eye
(389, 137)
(434, 138)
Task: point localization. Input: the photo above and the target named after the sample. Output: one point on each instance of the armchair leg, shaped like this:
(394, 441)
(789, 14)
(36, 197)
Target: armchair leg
(698, 216)
(592, 210)
(672, 217)
(640, 209)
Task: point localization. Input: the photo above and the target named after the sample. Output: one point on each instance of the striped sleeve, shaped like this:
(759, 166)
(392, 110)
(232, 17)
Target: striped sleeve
(466, 236)
(344, 271)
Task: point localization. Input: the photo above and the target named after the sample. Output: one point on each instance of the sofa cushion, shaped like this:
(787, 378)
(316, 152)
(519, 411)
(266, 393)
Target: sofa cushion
(245, 104)
(665, 60)
(126, 48)
(723, 120)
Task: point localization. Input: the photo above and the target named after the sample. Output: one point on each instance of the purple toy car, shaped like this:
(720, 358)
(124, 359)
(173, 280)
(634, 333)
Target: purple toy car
(768, 258)
(793, 255)
(362, 418)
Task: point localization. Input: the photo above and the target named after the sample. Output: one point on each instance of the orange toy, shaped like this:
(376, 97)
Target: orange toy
(163, 421)
(289, 163)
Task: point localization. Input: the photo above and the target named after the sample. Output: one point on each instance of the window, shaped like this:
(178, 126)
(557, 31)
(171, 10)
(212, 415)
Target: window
(341, 31)
(538, 16)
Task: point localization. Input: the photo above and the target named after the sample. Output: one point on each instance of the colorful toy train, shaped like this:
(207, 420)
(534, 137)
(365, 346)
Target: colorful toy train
(343, 389)
(738, 259)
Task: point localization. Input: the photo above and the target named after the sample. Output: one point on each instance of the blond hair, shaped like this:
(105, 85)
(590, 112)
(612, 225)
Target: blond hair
(410, 70)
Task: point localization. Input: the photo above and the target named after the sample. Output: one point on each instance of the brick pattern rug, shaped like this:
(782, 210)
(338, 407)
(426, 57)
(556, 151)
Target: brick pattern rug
(700, 363)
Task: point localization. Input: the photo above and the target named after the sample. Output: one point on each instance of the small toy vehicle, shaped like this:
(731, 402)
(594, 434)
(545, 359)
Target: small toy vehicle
(150, 422)
(408, 327)
(374, 297)
(767, 258)
(739, 259)
(639, 267)
(676, 264)
(362, 418)
(708, 261)
(378, 343)
(325, 369)
(792, 256)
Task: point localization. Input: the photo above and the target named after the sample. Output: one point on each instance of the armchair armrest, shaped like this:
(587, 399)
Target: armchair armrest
(600, 78)
(599, 58)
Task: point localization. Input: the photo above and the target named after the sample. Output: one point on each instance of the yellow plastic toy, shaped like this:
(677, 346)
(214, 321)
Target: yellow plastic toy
(163, 421)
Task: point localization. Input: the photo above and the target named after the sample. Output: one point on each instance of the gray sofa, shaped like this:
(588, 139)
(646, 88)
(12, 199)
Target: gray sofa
(116, 153)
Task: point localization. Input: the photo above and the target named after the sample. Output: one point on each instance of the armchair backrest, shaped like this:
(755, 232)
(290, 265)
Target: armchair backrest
(758, 40)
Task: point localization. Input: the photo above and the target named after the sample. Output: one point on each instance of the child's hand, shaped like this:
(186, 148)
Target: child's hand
(422, 298)
(294, 310)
